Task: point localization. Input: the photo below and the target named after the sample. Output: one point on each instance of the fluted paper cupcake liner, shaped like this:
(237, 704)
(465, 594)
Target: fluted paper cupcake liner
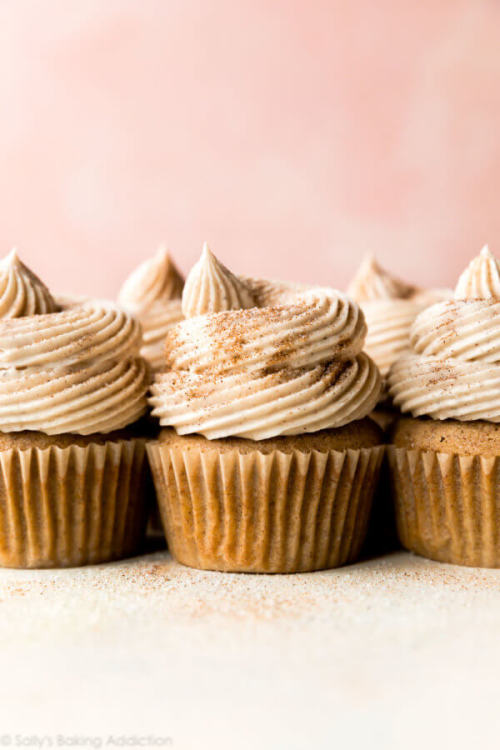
(74, 505)
(254, 512)
(447, 505)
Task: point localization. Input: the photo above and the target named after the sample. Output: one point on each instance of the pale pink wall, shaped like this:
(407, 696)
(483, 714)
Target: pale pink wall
(293, 135)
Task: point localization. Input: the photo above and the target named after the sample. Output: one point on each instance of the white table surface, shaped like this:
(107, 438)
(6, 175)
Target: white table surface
(395, 652)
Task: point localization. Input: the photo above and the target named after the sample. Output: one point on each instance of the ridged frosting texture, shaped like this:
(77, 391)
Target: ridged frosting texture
(211, 287)
(21, 292)
(155, 280)
(453, 368)
(152, 293)
(77, 370)
(372, 282)
(481, 279)
(390, 307)
(292, 363)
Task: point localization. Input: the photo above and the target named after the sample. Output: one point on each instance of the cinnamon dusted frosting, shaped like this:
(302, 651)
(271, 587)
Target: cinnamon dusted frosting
(291, 363)
(21, 292)
(211, 287)
(390, 307)
(76, 370)
(453, 368)
(152, 293)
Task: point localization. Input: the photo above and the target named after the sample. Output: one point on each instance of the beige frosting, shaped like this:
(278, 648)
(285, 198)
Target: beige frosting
(389, 323)
(211, 287)
(153, 294)
(390, 307)
(94, 330)
(156, 323)
(453, 368)
(155, 280)
(77, 370)
(315, 326)
(290, 364)
(21, 292)
(372, 282)
(481, 278)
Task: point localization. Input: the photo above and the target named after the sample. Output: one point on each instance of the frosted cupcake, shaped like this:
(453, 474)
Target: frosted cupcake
(445, 462)
(152, 293)
(268, 462)
(390, 307)
(72, 474)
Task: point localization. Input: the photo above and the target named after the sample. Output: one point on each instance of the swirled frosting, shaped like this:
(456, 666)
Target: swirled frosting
(211, 287)
(390, 307)
(372, 282)
(153, 294)
(453, 368)
(481, 278)
(291, 363)
(76, 370)
(21, 292)
(155, 280)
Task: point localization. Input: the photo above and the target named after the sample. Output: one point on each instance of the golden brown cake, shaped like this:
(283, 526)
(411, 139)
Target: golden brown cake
(445, 459)
(279, 505)
(73, 475)
(269, 464)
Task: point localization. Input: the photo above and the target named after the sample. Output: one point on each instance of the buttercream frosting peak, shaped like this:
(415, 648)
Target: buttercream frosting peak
(211, 287)
(21, 292)
(206, 252)
(372, 282)
(481, 278)
(10, 259)
(155, 280)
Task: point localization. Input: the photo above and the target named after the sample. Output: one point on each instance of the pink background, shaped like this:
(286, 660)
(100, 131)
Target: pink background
(293, 135)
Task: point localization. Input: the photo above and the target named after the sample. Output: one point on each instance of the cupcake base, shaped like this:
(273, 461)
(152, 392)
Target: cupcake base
(445, 480)
(69, 500)
(283, 505)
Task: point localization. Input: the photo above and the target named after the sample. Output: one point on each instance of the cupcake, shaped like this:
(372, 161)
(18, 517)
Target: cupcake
(152, 293)
(72, 472)
(444, 461)
(390, 307)
(267, 461)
